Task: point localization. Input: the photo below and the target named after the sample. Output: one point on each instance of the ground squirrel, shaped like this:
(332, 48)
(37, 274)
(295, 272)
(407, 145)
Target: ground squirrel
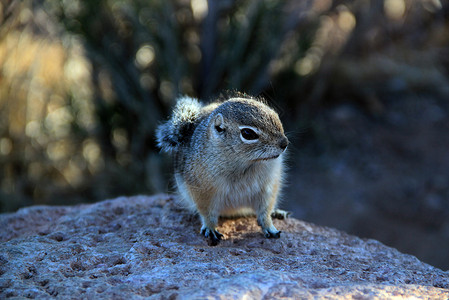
(228, 160)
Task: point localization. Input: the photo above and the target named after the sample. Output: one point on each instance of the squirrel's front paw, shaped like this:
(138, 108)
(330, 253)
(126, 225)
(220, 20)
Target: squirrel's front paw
(272, 234)
(213, 235)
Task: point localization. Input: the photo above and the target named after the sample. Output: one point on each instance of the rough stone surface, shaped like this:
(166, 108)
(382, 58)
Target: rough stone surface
(142, 247)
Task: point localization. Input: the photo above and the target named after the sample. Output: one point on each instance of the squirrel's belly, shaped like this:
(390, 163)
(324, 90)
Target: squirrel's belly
(239, 198)
(237, 194)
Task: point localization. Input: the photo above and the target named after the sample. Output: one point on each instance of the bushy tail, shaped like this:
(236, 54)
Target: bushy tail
(178, 129)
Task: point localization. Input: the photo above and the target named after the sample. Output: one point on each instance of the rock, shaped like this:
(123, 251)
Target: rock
(141, 247)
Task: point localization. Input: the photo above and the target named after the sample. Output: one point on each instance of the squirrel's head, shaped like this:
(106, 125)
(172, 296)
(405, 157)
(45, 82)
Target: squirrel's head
(247, 130)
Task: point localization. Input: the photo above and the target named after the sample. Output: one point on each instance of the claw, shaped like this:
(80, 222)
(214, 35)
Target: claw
(213, 235)
(272, 235)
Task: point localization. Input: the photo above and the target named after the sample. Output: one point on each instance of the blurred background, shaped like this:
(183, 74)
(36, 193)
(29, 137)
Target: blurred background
(362, 88)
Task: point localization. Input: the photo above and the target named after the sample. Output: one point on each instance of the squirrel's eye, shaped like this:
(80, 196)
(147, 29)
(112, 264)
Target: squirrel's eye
(249, 134)
(219, 129)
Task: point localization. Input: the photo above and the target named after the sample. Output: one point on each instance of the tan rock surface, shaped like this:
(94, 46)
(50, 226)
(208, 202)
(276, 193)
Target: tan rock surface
(142, 247)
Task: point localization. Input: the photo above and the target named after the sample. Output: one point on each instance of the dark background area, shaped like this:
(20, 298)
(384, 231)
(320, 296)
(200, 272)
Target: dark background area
(362, 88)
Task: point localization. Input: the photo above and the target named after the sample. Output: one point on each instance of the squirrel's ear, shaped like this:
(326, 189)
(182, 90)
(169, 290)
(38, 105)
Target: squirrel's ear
(219, 122)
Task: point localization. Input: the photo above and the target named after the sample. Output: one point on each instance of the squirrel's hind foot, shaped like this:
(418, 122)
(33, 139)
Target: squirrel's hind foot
(280, 214)
(213, 235)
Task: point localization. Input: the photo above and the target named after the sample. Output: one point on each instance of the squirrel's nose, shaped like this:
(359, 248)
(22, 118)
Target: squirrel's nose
(283, 143)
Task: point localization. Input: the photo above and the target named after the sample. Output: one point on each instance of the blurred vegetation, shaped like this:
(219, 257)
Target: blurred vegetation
(83, 84)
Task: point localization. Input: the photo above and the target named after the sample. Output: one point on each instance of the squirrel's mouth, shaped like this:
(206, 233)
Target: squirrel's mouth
(266, 158)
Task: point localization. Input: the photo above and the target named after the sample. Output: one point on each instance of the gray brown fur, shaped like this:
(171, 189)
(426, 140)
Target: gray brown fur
(219, 171)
